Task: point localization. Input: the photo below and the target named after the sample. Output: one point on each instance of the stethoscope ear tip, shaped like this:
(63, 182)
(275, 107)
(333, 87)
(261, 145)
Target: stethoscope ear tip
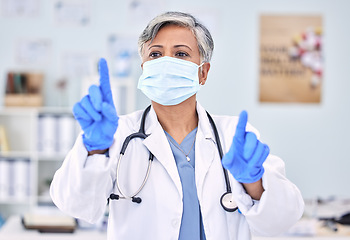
(136, 199)
(114, 196)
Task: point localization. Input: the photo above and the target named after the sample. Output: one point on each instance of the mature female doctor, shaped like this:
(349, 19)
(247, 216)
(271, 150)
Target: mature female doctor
(182, 197)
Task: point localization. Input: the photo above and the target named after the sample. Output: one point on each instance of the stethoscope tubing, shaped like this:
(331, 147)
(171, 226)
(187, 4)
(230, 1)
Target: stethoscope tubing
(122, 193)
(140, 134)
(218, 143)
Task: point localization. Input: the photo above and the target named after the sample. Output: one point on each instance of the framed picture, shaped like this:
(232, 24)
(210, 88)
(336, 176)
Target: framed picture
(291, 59)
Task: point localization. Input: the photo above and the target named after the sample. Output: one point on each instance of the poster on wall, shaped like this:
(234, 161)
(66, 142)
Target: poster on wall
(123, 55)
(70, 13)
(209, 17)
(79, 64)
(33, 51)
(19, 8)
(140, 12)
(291, 59)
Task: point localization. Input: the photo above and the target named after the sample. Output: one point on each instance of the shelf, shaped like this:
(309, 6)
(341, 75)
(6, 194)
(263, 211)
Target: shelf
(17, 201)
(17, 111)
(51, 157)
(33, 110)
(12, 154)
(39, 156)
(45, 200)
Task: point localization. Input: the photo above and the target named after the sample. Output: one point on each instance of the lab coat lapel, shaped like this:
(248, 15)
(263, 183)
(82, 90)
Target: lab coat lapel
(158, 145)
(205, 148)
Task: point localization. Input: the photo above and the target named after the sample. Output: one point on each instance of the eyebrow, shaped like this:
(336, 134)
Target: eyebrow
(160, 46)
(176, 46)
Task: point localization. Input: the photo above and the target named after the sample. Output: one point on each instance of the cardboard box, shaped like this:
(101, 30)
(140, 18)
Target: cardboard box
(24, 89)
(23, 100)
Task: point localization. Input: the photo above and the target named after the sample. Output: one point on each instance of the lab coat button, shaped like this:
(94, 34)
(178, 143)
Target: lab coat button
(207, 229)
(175, 223)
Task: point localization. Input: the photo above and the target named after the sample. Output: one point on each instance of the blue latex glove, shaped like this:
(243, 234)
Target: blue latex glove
(96, 113)
(246, 155)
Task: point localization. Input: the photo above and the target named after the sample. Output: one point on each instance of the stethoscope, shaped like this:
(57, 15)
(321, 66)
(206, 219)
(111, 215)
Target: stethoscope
(226, 200)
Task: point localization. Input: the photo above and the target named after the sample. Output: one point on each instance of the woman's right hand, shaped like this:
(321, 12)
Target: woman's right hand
(96, 113)
(246, 155)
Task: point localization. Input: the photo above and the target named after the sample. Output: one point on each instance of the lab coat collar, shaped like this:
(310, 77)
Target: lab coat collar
(158, 145)
(205, 149)
(204, 123)
(151, 118)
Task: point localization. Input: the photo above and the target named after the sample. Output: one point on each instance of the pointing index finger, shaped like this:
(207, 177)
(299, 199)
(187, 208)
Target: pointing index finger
(104, 81)
(241, 125)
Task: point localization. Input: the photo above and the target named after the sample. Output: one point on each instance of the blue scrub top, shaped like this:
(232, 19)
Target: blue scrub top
(191, 223)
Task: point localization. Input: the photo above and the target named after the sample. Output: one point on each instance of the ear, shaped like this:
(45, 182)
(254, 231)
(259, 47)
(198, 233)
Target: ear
(203, 73)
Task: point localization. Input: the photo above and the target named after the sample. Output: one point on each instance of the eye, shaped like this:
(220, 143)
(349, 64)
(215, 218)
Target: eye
(155, 55)
(182, 54)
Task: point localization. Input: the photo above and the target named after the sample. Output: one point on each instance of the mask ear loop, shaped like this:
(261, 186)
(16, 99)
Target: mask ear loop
(201, 69)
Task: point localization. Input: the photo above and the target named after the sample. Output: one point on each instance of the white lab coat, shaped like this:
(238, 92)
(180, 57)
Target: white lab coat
(83, 184)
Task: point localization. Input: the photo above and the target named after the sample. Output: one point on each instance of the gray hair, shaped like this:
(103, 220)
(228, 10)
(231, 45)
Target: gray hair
(204, 40)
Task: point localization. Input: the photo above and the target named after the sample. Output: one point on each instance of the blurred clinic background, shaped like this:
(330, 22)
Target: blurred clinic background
(285, 62)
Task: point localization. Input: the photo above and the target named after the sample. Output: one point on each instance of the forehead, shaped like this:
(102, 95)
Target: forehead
(174, 35)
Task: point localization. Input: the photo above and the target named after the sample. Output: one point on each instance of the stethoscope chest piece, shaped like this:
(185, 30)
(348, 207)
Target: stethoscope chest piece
(228, 203)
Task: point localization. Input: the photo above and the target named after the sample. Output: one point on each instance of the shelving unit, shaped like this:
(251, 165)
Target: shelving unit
(23, 128)
(32, 135)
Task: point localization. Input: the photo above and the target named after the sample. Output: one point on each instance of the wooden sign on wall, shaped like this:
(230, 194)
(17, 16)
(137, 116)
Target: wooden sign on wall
(291, 60)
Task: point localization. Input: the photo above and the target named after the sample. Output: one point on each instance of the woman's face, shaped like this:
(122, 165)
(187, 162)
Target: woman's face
(172, 41)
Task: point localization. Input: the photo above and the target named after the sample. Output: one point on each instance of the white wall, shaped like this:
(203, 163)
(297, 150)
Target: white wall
(311, 138)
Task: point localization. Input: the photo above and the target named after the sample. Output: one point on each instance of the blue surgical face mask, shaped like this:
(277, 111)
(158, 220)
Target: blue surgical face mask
(169, 81)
